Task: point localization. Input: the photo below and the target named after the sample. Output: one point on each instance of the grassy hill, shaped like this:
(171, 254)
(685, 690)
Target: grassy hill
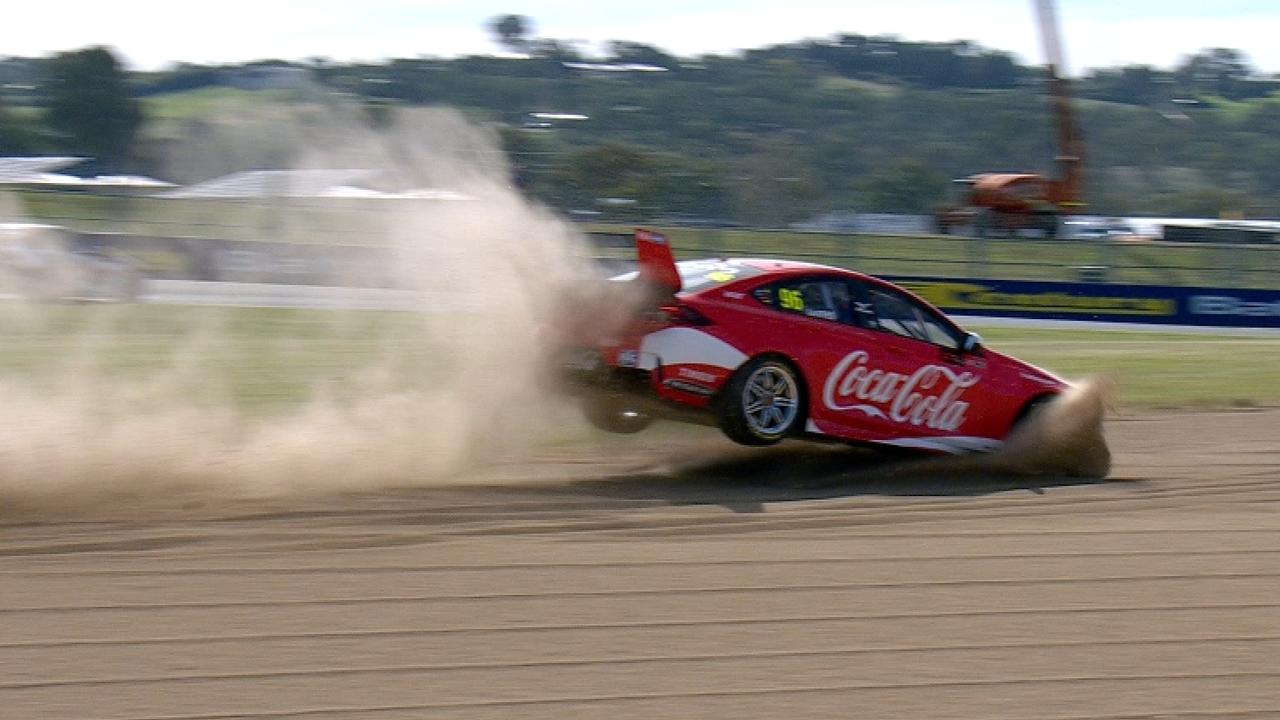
(765, 138)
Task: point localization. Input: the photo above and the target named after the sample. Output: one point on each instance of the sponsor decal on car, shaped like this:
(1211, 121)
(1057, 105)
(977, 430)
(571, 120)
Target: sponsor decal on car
(688, 387)
(960, 444)
(1042, 380)
(682, 346)
(930, 396)
(698, 375)
(722, 276)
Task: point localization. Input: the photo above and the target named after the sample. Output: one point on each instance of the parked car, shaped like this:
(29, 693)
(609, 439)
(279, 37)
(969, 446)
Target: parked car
(769, 349)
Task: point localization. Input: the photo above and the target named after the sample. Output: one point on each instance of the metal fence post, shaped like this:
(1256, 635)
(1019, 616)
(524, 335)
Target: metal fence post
(979, 256)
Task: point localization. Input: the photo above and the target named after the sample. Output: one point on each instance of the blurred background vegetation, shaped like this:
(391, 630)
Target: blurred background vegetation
(766, 137)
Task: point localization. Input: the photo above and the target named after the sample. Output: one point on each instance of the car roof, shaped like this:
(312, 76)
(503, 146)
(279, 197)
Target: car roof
(774, 267)
(771, 269)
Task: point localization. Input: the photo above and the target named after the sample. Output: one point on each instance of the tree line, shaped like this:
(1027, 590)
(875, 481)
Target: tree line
(768, 136)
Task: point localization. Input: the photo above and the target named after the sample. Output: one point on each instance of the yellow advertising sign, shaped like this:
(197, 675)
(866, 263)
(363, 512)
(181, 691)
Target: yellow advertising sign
(960, 296)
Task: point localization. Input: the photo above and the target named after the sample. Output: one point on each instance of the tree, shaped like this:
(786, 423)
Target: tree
(615, 175)
(1207, 202)
(556, 51)
(607, 172)
(774, 183)
(1132, 84)
(623, 51)
(513, 31)
(1220, 71)
(907, 186)
(15, 138)
(91, 105)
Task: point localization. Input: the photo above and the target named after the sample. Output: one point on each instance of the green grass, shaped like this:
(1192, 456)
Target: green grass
(168, 114)
(1156, 370)
(263, 361)
(837, 85)
(330, 221)
(253, 360)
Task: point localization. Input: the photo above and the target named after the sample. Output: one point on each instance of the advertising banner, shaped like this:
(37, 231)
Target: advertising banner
(359, 266)
(1099, 302)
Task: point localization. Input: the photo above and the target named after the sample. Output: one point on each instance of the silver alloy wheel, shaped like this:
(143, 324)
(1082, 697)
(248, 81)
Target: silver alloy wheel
(770, 400)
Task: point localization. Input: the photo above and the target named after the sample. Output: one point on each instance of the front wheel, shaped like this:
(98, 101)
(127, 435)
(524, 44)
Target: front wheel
(1027, 414)
(763, 403)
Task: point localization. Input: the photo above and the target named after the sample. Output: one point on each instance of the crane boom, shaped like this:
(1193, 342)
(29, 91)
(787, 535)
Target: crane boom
(1013, 201)
(1047, 19)
(1066, 188)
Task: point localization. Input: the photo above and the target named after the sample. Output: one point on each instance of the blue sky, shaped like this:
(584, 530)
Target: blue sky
(153, 33)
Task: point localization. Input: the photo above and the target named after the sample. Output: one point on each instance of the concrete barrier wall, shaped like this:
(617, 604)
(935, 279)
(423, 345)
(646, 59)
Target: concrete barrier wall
(177, 258)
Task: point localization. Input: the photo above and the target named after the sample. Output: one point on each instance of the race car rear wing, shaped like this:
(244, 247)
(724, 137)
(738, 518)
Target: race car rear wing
(656, 263)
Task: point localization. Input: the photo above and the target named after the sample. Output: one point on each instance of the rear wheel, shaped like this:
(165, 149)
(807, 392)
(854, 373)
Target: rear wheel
(612, 413)
(763, 403)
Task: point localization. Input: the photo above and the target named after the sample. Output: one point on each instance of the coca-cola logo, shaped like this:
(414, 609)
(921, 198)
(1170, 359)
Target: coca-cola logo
(930, 396)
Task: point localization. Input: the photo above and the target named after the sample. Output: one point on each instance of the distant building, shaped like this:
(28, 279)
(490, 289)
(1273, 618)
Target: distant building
(42, 172)
(342, 183)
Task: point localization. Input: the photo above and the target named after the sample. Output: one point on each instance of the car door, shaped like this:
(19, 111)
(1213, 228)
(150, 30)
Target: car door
(927, 385)
(812, 320)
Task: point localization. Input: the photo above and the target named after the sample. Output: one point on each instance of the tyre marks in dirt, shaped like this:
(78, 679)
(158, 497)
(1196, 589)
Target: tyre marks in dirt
(671, 591)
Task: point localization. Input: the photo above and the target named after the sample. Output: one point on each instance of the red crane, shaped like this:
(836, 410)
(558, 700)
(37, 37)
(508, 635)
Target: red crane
(1009, 202)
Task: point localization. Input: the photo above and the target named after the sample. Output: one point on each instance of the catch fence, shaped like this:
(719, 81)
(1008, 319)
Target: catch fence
(362, 222)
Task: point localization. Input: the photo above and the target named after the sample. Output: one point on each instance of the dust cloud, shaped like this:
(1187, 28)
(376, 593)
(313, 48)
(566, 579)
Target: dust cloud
(488, 272)
(1063, 440)
(486, 268)
(1064, 437)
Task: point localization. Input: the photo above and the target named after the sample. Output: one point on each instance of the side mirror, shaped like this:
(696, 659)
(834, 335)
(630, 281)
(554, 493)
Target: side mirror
(972, 343)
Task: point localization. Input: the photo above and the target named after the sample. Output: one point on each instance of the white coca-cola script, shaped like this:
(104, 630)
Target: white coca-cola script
(930, 396)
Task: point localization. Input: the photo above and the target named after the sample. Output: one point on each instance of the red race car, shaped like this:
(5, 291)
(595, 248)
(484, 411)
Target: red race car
(769, 349)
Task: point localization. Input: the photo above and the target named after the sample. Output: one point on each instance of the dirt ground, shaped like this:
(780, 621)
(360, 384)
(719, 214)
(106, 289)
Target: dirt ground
(699, 581)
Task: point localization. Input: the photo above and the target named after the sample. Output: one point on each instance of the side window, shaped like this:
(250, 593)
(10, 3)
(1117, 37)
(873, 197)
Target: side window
(940, 334)
(899, 315)
(821, 298)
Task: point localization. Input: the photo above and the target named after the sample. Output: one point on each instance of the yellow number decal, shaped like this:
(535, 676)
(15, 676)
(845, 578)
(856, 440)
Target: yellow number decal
(719, 276)
(790, 299)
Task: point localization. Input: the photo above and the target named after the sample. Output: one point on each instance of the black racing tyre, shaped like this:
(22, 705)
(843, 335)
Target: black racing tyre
(763, 402)
(1029, 411)
(613, 414)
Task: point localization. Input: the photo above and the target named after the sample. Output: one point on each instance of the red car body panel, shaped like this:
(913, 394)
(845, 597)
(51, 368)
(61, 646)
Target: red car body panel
(861, 381)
